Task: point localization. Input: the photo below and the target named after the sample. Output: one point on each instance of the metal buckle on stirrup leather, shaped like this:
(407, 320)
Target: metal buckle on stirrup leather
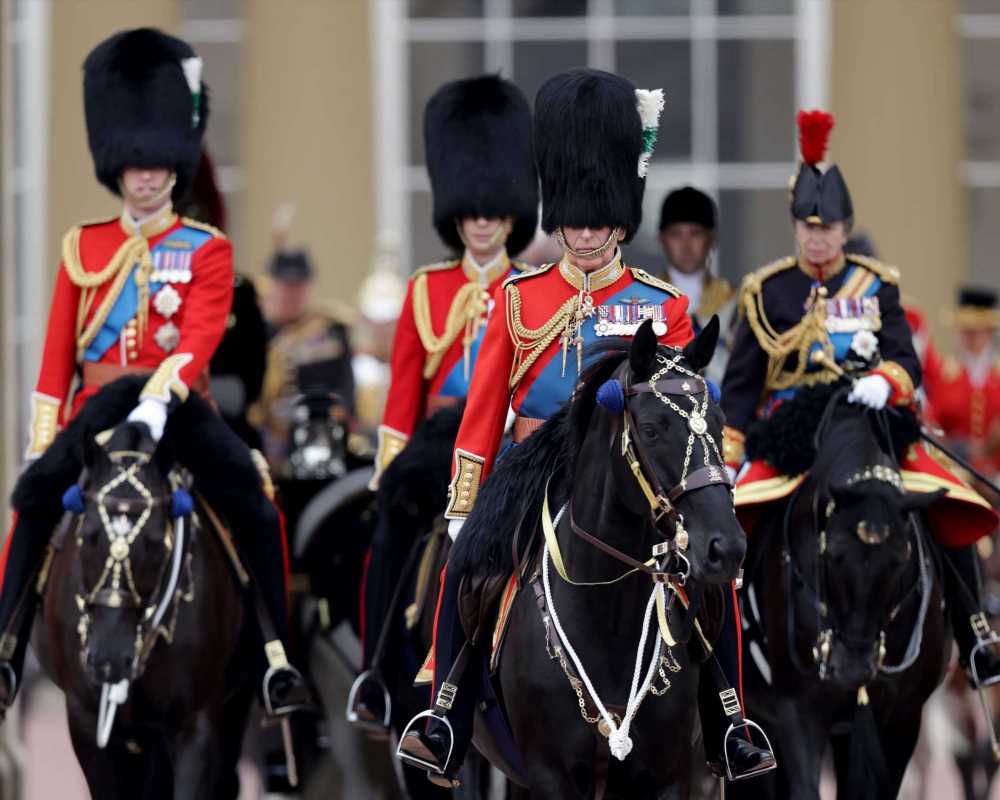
(406, 758)
(746, 724)
(352, 702)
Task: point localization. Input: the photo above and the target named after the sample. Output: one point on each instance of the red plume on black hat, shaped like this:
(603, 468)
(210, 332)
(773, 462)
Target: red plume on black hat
(818, 196)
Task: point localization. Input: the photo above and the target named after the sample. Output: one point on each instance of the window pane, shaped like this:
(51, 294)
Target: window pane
(984, 236)
(425, 246)
(981, 86)
(652, 8)
(212, 9)
(536, 62)
(756, 6)
(754, 229)
(446, 8)
(549, 8)
(756, 101)
(222, 76)
(431, 65)
(667, 66)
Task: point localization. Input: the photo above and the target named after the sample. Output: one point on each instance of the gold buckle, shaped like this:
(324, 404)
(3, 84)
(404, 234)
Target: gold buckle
(980, 626)
(8, 644)
(446, 695)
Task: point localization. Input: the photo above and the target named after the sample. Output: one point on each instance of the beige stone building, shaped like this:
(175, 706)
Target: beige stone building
(317, 103)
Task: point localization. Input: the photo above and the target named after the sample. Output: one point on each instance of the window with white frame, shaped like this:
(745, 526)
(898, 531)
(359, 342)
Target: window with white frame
(979, 27)
(734, 72)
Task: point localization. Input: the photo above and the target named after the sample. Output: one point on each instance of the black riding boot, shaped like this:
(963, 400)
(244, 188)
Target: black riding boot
(225, 473)
(18, 600)
(441, 747)
(719, 706)
(368, 703)
(963, 596)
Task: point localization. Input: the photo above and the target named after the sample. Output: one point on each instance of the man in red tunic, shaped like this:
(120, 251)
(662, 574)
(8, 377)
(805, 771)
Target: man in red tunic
(592, 129)
(963, 391)
(145, 293)
(477, 133)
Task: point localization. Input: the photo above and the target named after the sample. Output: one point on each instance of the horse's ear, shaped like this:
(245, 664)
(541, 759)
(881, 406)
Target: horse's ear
(642, 354)
(700, 350)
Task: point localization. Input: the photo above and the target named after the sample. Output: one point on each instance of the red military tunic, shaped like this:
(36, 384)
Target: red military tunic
(523, 363)
(436, 343)
(149, 300)
(967, 410)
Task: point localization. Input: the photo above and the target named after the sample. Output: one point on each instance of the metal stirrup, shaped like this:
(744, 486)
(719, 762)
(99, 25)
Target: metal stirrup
(352, 702)
(419, 762)
(746, 724)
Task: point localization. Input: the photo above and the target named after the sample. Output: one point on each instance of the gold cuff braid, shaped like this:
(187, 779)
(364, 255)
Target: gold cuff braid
(167, 379)
(465, 485)
(44, 423)
(390, 444)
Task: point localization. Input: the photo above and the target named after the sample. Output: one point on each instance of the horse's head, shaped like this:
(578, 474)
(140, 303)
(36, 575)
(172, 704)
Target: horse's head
(667, 456)
(865, 549)
(125, 539)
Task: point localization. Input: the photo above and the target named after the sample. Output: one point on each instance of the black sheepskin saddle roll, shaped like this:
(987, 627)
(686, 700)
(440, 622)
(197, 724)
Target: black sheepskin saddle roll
(786, 439)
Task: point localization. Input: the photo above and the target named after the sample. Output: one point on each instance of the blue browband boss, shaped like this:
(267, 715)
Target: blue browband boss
(72, 500)
(713, 390)
(181, 504)
(611, 396)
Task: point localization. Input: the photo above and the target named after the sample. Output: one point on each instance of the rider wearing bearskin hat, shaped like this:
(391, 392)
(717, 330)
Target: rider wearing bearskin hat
(594, 135)
(809, 320)
(146, 294)
(477, 135)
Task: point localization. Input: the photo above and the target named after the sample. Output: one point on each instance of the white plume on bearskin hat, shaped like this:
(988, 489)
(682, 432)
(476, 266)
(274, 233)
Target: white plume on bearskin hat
(594, 136)
(146, 106)
(477, 134)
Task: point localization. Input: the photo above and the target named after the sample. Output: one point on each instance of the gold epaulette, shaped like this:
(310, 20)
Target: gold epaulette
(717, 292)
(887, 273)
(437, 266)
(531, 272)
(96, 221)
(202, 226)
(650, 280)
(754, 280)
(522, 266)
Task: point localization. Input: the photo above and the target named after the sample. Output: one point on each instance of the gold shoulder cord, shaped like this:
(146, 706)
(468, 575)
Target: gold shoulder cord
(132, 251)
(797, 340)
(530, 343)
(465, 317)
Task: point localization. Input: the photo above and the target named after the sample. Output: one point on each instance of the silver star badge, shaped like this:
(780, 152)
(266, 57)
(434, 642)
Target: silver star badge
(167, 301)
(168, 336)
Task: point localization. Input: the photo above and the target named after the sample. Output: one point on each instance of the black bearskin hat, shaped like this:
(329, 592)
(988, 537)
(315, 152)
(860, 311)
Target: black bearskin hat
(588, 143)
(141, 109)
(818, 196)
(477, 135)
(687, 205)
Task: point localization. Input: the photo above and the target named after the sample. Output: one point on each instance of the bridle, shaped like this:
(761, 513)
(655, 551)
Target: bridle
(123, 520)
(828, 631)
(666, 517)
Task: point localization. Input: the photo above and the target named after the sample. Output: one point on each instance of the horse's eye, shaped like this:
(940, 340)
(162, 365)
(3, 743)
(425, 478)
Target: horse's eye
(649, 431)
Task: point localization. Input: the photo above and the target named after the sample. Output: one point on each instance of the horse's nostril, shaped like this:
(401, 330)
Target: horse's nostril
(715, 553)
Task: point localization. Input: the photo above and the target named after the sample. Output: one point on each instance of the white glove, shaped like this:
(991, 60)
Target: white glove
(153, 413)
(872, 391)
(455, 527)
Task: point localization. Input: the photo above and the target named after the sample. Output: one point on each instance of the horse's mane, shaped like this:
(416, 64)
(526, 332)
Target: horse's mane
(785, 439)
(516, 487)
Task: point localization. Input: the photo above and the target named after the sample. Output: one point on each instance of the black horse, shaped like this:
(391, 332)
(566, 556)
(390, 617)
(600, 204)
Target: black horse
(853, 638)
(642, 430)
(141, 619)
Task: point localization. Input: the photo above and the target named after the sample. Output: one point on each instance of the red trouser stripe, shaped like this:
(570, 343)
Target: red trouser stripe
(364, 592)
(6, 549)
